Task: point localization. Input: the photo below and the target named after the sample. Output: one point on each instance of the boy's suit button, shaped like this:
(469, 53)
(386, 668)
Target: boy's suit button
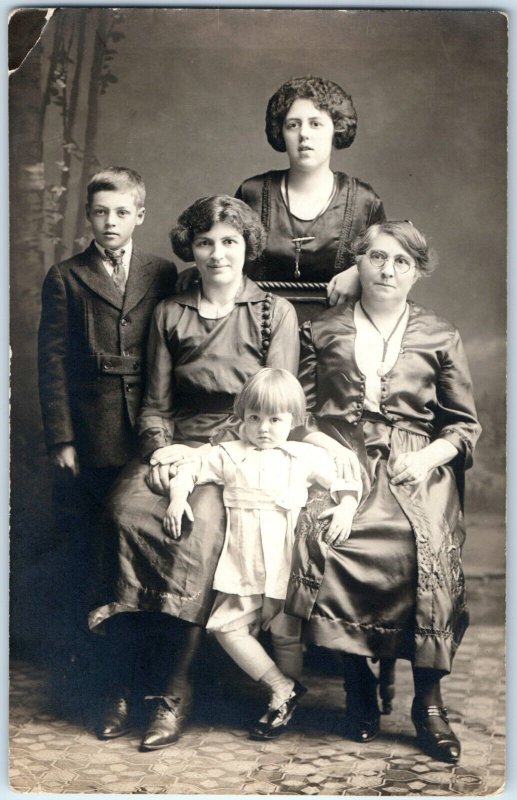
(123, 321)
(107, 365)
(128, 387)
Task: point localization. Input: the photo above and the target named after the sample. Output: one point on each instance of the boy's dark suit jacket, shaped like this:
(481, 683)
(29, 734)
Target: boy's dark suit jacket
(92, 351)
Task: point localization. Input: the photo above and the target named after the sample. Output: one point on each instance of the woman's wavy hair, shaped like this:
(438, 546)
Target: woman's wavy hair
(202, 215)
(326, 95)
(408, 236)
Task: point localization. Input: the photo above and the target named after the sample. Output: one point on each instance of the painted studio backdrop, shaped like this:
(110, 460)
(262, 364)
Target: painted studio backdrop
(181, 96)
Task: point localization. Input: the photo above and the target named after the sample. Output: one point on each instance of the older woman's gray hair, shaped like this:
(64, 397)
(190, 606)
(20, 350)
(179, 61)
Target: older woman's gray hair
(407, 235)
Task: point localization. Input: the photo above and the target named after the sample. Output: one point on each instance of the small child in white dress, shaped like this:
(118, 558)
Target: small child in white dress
(265, 480)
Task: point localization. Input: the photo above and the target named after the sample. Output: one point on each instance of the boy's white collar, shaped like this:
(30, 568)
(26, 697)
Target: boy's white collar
(128, 250)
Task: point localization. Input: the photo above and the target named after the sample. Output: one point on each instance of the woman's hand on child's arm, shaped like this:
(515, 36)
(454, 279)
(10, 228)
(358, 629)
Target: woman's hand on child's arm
(346, 461)
(342, 518)
(164, 463)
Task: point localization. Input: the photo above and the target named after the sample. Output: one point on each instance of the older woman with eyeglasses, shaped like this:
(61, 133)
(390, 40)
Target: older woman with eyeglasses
(389, 379)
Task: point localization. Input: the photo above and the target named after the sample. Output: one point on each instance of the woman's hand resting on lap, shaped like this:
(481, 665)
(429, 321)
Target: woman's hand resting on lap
(414, 467)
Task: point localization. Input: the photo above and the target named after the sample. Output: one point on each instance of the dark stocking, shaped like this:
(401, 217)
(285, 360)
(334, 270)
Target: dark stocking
(387, 683)
(362, 710)
(176, 644)
(359, 681)
(120, 650)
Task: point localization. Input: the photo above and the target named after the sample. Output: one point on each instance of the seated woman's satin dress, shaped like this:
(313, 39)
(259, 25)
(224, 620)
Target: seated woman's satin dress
(353, 207)
(196, 367)
(395, 588)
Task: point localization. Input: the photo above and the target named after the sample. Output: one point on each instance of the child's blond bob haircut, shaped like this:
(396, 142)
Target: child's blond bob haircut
(272, 391)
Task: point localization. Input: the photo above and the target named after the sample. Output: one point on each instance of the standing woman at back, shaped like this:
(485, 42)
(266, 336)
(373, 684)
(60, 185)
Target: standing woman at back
(311, 213)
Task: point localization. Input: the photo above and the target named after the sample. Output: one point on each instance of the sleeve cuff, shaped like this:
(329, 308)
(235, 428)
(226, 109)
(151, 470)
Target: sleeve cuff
(340, 485)
(461, 443)
(152, 439)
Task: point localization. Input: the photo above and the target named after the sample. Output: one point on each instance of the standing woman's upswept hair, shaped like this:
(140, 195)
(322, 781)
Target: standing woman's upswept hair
(326, 95)
(311, 211)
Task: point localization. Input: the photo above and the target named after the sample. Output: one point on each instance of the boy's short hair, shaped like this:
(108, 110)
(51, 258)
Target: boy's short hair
(202, 215)
(117, 179)
(270, 391)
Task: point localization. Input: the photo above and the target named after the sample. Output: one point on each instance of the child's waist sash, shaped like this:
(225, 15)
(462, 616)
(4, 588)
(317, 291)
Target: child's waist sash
(262, 499)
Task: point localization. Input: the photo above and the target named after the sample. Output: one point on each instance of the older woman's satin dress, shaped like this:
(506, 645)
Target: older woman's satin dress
(196, 368)
(395, 588)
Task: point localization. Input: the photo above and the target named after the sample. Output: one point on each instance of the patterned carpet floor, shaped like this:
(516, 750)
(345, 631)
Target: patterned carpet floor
(49, 753)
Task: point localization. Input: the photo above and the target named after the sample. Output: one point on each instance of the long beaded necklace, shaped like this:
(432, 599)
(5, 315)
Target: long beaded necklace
(299, 241)
(385, 342)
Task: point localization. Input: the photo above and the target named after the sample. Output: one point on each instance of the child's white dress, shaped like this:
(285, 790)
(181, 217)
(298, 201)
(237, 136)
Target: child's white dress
(264, 491)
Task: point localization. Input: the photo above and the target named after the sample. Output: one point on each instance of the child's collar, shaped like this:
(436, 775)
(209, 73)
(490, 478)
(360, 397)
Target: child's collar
(238, 449)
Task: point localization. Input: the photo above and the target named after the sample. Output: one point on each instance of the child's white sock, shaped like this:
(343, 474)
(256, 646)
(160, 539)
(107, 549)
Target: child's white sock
(280, 685)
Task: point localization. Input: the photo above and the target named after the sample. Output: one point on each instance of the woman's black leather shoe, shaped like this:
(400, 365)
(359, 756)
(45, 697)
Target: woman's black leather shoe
(166, 723)
(361, 728)
(115, 720)
(278, 718)
(441, 745)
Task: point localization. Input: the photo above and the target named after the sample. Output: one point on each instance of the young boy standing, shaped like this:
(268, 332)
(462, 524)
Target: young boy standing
(96, 310)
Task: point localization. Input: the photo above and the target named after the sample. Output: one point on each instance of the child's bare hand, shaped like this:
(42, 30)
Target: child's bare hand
(342, 518)
(174, 515)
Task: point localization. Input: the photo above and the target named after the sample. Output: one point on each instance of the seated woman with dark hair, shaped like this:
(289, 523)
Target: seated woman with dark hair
(203, 345)
(389, 379)
(311, 214)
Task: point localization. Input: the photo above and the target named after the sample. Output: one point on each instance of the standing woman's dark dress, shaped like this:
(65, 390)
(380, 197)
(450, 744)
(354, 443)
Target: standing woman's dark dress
(354, 207)
(349, 206)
